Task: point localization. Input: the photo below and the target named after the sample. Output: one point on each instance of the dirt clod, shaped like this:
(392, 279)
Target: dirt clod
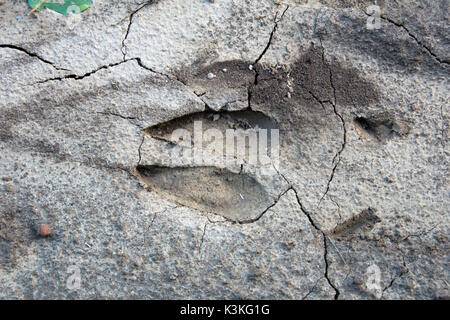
(44, 231)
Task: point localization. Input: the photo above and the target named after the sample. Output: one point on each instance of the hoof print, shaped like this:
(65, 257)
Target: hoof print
(237, 197)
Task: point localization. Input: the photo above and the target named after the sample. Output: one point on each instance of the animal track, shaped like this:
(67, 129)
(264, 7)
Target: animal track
(300, 101)
(361, 223)
(243, 122)
(237, 197)
(381, 129)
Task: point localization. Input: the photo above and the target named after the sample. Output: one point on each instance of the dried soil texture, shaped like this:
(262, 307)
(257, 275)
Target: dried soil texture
(354, 207)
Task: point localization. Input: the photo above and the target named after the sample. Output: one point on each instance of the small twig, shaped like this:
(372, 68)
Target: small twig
(37, 7)
(337, 250)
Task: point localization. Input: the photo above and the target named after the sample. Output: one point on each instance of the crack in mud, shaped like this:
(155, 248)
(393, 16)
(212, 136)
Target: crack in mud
(341, 118)
(414, 37)
(80, 77)
(419, 42)
(325, 257)
(103, 67)
(130, 22)
(32, 54)
(271, 34)
(275, 27)
(402, 272)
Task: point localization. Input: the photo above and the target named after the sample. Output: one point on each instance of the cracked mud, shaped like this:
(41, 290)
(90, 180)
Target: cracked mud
(87, 117)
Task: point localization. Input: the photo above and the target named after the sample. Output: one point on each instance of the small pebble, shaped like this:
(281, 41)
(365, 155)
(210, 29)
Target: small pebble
(211, 75)
(10, 187)
(44, 231)
(250, 67)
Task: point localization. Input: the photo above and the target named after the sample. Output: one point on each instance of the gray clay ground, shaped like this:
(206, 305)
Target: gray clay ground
(356, 210)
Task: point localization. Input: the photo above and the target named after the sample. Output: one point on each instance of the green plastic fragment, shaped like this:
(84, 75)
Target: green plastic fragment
(66, 8)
